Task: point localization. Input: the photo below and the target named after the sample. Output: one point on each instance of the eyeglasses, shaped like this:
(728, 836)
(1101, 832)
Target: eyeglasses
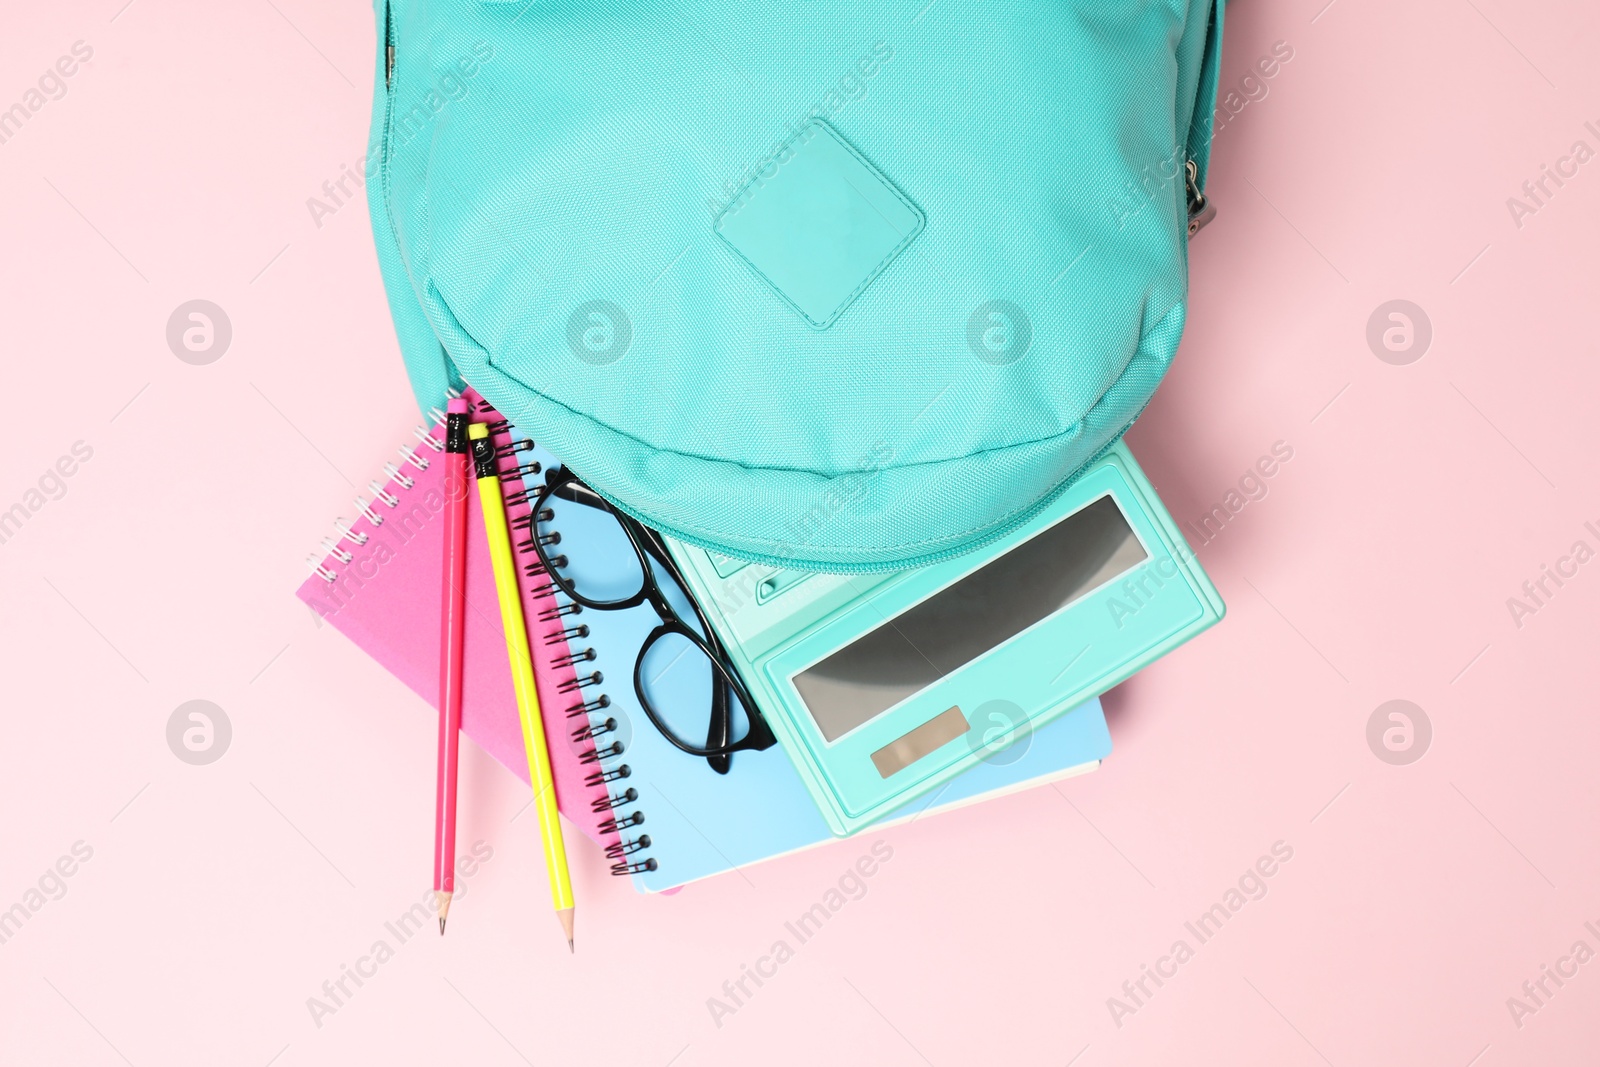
(619, 566)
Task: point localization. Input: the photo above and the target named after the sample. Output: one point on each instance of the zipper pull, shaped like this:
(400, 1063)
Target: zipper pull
(388, 46)
(1201, 210)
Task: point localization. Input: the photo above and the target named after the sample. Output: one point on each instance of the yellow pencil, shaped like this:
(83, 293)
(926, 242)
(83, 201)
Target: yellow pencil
(505, 582)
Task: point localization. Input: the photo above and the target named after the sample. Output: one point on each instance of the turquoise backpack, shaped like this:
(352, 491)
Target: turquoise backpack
(835, 285)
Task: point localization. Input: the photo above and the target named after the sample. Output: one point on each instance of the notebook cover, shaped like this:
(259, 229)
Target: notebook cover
(387, 600)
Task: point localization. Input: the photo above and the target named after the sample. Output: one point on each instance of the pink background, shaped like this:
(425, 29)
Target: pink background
(1419, 498)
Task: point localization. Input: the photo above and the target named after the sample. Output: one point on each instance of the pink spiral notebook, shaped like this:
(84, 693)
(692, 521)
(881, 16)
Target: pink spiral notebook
(378, 584)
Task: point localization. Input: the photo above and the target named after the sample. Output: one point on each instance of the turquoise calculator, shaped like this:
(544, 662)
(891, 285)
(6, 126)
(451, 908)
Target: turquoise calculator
(873, 682)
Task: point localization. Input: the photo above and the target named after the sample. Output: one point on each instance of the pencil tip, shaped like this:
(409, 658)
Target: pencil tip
(441, 927)
(570, 948)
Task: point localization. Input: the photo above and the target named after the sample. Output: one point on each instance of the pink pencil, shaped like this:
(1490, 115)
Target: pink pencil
(451, 628)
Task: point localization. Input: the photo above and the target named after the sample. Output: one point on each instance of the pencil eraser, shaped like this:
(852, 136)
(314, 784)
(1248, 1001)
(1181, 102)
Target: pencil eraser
(458, 406)
(477, 431)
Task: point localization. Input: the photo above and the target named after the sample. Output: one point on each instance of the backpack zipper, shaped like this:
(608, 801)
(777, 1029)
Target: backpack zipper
(388, 45)
(789, 563)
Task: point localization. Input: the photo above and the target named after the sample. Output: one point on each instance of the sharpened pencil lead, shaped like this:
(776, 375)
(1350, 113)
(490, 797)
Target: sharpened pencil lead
(441, 927)
(570, 948)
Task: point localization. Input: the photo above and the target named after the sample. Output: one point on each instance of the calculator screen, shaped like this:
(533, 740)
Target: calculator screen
(967, 618)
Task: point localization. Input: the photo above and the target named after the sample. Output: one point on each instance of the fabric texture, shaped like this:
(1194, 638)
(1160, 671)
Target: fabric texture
(545, 198)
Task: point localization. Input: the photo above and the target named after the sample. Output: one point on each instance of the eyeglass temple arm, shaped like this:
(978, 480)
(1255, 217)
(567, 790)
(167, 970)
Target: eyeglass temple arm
(577, 492)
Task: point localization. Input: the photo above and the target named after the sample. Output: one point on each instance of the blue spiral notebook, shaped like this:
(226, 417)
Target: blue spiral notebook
(684, 822)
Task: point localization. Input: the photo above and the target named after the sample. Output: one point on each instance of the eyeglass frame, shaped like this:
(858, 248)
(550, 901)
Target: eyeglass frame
(563, 484)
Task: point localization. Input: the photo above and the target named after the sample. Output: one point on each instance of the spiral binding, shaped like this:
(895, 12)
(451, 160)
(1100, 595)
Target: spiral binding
(571, 633)
(618, 823)
(332, 547)
(594, 730)
(573, 658)
(581, 681)
(614, 800)
(586, 708)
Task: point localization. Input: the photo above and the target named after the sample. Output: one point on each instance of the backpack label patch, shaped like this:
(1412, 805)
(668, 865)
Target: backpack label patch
(819, 224)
